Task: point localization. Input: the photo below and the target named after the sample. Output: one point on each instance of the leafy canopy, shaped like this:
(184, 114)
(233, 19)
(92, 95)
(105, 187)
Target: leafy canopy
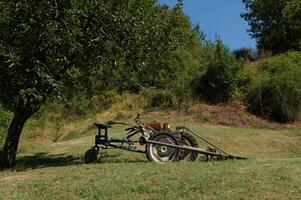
(220, 77)
(275, 24)
(39, 41)
(124, 43)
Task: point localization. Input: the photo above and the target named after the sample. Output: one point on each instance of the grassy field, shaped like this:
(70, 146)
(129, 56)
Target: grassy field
(56, 170)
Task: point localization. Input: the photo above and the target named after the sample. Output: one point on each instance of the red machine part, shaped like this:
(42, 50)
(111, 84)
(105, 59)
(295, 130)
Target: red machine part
(158, 125)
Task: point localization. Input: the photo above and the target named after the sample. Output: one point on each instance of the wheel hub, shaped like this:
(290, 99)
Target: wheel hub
(161, 153)
(163, 149)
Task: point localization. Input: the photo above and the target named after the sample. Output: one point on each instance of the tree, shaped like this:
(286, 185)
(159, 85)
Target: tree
(201, 36)
(113, 42)
(140, 41)
(245, 54)
(220, 77)
(275, 24)
(143, 40)
(39, 42)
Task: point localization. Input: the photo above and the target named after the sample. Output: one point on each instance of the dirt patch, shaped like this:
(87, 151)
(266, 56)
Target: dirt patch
(236, 114)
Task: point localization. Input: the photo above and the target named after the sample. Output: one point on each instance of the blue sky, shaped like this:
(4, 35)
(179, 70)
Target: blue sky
(221, 17)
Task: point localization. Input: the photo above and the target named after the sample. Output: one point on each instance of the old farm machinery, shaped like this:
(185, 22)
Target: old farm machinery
(157, 141)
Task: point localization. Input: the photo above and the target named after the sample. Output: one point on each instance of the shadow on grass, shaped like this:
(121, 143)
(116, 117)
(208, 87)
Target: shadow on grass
(124, 161)
(115, 158)
(41, 160)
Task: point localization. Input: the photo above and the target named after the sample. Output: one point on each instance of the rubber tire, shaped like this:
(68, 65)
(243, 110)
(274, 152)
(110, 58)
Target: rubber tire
(91, 156)
(175, 137)
(192, 155)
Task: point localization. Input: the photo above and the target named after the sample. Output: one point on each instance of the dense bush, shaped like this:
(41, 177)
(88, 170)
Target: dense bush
(220, 77)
(104, 101)
(245, 54)
(276, 91)
(158, 98)
(62, 109)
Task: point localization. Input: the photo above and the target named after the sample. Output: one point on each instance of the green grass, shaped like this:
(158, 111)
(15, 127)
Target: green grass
(56, 170)
(135, 179)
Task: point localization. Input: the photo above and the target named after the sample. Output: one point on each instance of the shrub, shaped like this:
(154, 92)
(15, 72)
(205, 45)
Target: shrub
(206, 117)
(64, 109)
(282, 63)
(220, 78)
(104, 101)
(245, 54)
(276, 92)
(244, 81)
(78, 106)
(159, 98)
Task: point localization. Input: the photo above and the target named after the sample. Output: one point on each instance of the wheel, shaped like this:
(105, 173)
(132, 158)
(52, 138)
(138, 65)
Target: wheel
(91, 156)
(188, 140)
(160, 153)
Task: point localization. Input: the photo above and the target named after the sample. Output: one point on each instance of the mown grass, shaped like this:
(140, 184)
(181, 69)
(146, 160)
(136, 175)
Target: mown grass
(56, 170)
(252, 179)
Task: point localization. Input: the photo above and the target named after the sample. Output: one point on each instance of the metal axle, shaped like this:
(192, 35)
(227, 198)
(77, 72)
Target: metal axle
(198, 150)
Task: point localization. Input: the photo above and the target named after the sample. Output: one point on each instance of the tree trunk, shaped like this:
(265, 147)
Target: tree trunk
(8, 155)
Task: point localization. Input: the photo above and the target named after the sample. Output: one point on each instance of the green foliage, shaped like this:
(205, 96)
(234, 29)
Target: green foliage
(244, 80)
(122, 45)
(245, 54)
(39, 41)
(108, 45)
(77, 107)
(286, 62)
(200, 34)
(275, 24)
(81, 49)
(159, 98)
(220, 77)
(5, 118)
(139, 42)
(276, 91)
(104, 100)
(206, 117)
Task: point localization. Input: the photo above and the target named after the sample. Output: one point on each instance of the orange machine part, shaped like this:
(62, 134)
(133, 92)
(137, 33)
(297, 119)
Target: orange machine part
(158, 125)
(166, 126)
(155, 125)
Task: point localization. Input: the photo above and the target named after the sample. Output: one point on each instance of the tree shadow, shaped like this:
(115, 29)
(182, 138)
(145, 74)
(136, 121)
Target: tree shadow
(42, 160)
(115, 158)
(124, 160)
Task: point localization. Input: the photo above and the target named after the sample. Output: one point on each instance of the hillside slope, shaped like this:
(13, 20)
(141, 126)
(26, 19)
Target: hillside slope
(56, 170)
